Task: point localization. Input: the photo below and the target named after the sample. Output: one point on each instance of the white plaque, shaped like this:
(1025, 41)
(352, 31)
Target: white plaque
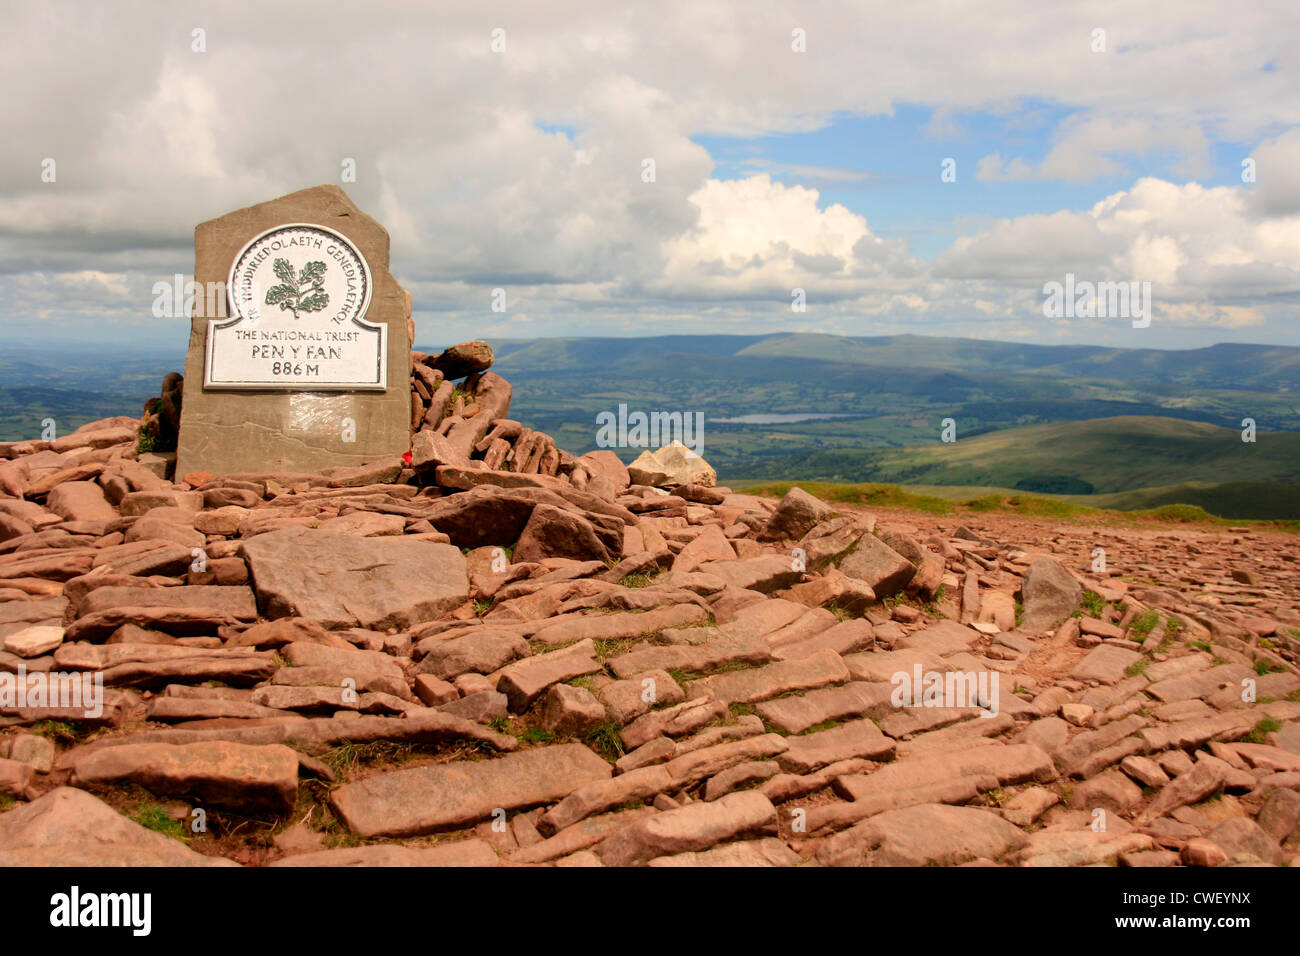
(298, 296)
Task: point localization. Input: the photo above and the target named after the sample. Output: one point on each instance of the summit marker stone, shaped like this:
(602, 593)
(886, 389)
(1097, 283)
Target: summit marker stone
(300, 358)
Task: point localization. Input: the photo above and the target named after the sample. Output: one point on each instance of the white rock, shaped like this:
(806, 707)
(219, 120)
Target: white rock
(1076, 714)
(672, 465)
(34, 641)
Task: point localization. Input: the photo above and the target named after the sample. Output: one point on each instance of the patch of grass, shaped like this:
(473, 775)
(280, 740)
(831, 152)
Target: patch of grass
(536, 735)
(638, 579)
(145, 443)
(62, 731)
(1264, 667)
(608, 649)
(1143, 625)
(605, 740)
(707, 621)
(824, 725)
(482, 607)
(500, 724)
(742, 710)
(347, 756)
(1020, 613)
(1092, 603)
(584, 682)
(728, 666)
(1199, 645)
(1262, 729)
(1137, 668)
(1294, 696)
(156, 818)
(678, 675)
(841, 613)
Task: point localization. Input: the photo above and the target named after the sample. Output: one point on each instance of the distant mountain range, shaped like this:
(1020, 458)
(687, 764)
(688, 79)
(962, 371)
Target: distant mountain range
(1265, 368)
(1061, 419)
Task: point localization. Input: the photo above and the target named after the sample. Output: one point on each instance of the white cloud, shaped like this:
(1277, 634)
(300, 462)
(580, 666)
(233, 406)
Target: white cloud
(1093, 147)
(1210, 259)
(457, 154)
(1277, 170)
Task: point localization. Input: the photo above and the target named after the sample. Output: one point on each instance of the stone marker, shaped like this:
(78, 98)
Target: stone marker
(301, 358)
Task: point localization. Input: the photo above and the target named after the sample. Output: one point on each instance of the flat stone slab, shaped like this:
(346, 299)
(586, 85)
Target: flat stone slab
(1201, 684)
(696, 826)
(760, 683)
(768, 851)
(426, 799)
(883, 665)
(219, 772)
(1012, 763)
(673, 721)
(482, 650)
(1105, 663)
(1078, 847)
(34, 641)
(70, 827)
(858, 738)
(236, 602)
(620, 625)
(700, 657)
(946, 637)
(766, 573)
(917, 720)
(794, 715)
(524, 681)
(343, 581)
(843, 638)
(460, 853)
(929, 834)
(626, 700)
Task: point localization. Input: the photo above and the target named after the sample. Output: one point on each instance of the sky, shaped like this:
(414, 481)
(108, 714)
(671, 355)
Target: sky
(923, 168)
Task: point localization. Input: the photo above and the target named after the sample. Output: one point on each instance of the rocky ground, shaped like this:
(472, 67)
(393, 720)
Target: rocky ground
(495, 653)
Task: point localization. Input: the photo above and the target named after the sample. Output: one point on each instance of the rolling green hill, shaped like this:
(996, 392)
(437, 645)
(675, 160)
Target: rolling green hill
(1108, 454)
(1125, 463)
